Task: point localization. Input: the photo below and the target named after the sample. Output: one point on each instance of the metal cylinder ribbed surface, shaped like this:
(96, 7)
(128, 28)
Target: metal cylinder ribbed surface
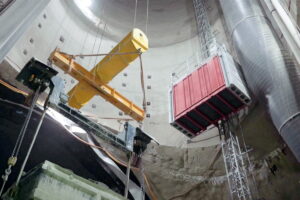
(271, 73)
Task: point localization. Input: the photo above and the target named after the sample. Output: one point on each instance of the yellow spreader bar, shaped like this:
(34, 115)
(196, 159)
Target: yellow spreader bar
(112, 64)
(92, 85)
(120, 57)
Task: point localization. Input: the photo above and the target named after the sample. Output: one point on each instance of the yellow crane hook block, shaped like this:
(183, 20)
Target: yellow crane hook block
(94, 82)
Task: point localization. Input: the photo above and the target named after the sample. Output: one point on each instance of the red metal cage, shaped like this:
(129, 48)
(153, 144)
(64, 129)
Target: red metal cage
(207, 95)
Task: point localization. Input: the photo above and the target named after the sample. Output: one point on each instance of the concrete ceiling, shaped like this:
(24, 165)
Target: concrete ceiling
(169, 21)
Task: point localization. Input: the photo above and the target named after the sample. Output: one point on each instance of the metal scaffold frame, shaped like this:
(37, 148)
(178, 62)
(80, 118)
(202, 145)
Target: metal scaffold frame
(206, 37)
(208, 45)
(235, 168)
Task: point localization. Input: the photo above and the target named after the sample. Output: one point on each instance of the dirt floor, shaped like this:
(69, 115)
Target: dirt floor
(199, 173)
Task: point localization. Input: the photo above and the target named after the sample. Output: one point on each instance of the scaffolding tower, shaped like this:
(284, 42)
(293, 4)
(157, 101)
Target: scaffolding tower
(233, 157)
(206, 37)
(235, 168)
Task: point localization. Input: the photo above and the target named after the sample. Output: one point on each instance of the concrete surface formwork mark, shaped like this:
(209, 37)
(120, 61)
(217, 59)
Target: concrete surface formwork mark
(162, 14)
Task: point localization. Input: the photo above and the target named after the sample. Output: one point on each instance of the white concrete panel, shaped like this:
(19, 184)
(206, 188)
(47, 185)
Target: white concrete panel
(15, 20)
(80, 38)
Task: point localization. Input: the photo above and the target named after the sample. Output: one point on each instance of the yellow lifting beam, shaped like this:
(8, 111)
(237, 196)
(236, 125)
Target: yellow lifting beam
(121, 55)
(94, 82)
(93, 86)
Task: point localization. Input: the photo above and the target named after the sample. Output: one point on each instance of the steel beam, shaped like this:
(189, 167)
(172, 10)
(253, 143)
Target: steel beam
(95, 85)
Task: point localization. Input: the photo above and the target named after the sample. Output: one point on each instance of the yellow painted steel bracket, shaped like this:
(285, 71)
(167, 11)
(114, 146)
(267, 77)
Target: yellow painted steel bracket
(94, 82)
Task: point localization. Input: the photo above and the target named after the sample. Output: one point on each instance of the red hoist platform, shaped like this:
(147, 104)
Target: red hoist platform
(212, 92)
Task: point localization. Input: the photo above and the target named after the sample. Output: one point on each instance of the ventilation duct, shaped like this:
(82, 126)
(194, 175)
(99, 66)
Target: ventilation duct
(270, 72)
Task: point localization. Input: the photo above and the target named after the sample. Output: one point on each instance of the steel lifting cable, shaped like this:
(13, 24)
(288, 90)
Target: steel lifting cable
(100, 54)
(98, 30)
(12, 160)
(110, 118)
(147, 16)
(135, 10)
(85, 38)
(100, 43)
(141, 123)
(46, 104)
(24, 128)
(80, 55)
(94, 71)
(143, 84)
(144, 178)
(103, 31)
(83, 45)
(92, 116)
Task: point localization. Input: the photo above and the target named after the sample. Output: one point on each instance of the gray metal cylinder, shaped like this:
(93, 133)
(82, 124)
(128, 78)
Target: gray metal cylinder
(270, 71)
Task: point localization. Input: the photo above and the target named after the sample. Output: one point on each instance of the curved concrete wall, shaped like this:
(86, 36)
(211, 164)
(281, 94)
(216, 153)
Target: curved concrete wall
(60, 25)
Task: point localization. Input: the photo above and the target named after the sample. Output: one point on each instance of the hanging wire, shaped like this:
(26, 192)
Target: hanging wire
(86, 36)
(97, 33)
(84, 41)
(83, 44)
(135, 10)
(19, 142)
(147, 16)
(100, 54)
(143, 84)
(76, 87)
(12, 160)
(100, 43)
(41, 120)
(102, 34)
